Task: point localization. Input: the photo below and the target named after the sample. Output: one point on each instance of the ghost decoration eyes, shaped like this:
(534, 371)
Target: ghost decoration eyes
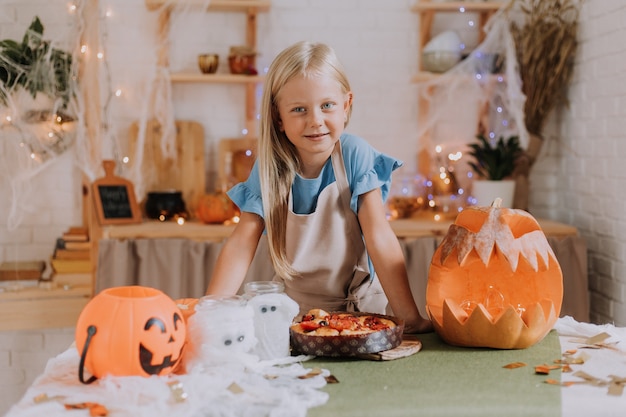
(273, 314)
(220, 330)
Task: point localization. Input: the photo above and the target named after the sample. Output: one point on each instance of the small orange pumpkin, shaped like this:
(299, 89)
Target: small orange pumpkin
(130, 330)
(494, 280)
(216, 208)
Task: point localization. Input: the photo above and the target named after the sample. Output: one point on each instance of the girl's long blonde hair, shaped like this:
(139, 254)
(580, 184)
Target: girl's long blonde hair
(278, 157)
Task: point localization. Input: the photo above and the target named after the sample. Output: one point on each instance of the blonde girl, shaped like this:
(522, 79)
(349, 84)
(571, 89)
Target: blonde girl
(318, 193)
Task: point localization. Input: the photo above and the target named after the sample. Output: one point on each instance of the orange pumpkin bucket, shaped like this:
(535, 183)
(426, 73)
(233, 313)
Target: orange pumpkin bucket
(127, 331)
(494, 280)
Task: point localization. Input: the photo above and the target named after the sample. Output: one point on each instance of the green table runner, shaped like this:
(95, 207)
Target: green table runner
(443, 380)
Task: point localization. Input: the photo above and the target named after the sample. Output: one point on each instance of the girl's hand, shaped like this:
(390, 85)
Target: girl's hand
(421, 325)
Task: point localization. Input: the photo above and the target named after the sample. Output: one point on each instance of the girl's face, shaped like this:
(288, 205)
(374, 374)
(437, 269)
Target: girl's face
(312, 113)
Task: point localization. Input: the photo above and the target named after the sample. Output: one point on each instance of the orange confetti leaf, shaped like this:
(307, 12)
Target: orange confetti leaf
(95, 409)
(98, 410)
(514, 365)
(312, 373)
(542, 369)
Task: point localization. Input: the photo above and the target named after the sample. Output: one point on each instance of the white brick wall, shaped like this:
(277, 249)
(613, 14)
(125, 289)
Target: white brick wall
(592, 173)
(23, 357)
(579, 179)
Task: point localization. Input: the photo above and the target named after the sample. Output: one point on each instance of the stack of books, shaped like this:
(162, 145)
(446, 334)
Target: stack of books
(72, 252)
(22, 272)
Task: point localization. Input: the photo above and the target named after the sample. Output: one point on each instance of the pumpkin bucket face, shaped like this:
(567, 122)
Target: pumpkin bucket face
(494, 281)
(132, 330)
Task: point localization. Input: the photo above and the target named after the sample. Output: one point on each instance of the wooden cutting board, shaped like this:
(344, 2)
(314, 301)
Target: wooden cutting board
(186, 173)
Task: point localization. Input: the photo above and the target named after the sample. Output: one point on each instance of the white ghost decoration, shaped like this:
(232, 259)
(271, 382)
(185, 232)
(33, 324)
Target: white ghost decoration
(220, 331)
(273, 314)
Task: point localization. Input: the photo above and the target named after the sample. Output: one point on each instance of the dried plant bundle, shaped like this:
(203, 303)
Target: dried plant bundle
(545, 44)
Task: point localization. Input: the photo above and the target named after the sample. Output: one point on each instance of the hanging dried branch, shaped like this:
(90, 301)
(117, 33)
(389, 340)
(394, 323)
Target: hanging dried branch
(546, 46)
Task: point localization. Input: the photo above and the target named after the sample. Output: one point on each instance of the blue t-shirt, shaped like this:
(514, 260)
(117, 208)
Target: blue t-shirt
(366, 169)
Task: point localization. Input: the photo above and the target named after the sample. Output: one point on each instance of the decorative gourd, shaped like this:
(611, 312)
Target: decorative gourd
(130, 330)
(494, 281)
(216, 208)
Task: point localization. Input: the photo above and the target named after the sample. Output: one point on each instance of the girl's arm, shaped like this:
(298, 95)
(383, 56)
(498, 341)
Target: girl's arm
(236, 255)
(386, 254)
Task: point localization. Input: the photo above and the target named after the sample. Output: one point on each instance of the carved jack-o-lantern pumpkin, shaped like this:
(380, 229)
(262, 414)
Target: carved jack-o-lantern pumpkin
(494, 281)
(130, 331)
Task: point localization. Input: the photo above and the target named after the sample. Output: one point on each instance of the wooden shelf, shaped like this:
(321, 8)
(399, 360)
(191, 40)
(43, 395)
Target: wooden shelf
(35, 308)
(425, 76)
(194, 77)
(422, 225)
(457, 6)
(216, 5)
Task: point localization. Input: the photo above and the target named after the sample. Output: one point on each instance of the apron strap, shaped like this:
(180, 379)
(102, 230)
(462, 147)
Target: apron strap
(344, 192)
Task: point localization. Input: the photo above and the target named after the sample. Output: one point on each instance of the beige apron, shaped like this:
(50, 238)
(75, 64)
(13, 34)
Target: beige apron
(327, 249)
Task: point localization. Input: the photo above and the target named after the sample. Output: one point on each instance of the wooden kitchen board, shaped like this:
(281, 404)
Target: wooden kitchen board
(186, 173)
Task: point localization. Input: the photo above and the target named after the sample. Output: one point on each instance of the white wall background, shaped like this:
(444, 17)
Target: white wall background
(579, 179)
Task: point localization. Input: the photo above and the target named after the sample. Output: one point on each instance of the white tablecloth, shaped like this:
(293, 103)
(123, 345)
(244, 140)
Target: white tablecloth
(59, 378)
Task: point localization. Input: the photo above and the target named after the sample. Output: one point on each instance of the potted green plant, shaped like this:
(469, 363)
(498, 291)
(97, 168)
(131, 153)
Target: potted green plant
(494, 165)
(34, 66)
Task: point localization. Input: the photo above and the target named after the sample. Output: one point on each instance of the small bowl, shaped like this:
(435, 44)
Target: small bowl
(440, 61)
(208, 63)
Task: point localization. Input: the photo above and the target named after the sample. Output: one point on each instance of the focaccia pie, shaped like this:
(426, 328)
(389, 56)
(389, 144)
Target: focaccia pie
(318, 322)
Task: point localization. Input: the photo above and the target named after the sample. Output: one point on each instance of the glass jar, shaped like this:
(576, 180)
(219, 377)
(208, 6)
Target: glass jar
(274, 312)
(407, 196)
(254, 288)
(220, 330)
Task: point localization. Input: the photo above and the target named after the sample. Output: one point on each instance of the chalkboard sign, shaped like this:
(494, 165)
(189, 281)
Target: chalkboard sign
(114, 198)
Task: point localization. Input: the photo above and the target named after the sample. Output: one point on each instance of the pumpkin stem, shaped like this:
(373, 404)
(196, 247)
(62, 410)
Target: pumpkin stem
(497, 203)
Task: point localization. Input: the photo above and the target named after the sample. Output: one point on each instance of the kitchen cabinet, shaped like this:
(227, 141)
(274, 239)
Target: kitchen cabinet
(427, 10)
(165, 8)
(251, 8)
